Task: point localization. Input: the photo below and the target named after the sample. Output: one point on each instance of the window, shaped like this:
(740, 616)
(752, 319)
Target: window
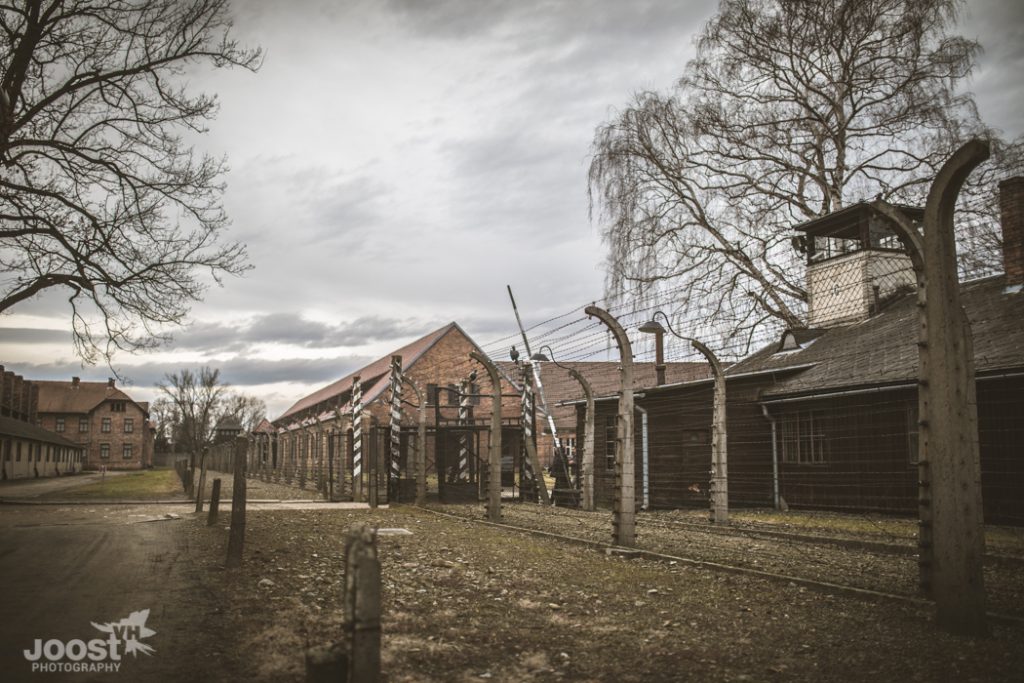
(803, 437)
(453, 395)
(7, 451)
(129, 425)
(912, 430)
(126, 451)
(60, 425)
(17, 453)
(105, 425)
(117, 406)
(49, 452)
(431, 394)
(39, 452)
(104, 451)
(83, 425)
(611, 441)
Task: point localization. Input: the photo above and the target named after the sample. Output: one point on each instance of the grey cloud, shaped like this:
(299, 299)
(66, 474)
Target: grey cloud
(30, 335)
(238, 372)
(292, 328)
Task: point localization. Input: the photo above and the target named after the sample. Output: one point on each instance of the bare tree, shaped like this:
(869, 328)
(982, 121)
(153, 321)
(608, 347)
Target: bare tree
(248, 410)
(99, 194)
(791, 110)
(197, 398)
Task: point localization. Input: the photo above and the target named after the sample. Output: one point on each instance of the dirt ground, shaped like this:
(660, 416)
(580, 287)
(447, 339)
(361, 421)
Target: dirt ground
(467, 602)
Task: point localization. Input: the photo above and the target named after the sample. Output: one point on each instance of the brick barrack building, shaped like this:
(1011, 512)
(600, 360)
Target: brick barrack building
(113, 428)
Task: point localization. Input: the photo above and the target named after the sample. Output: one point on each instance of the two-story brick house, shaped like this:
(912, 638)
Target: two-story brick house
(111, 426)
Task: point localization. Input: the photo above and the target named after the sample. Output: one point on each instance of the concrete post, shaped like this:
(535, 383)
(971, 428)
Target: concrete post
(420, 454)
(362, 601)
(494, 450)
(211, 518)
(587, 464)
(236, 537)
(624, 513)
(951, 541)
(719, 441)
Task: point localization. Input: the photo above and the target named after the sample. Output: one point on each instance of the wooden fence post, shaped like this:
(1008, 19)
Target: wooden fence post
(236, 538)
(202, 480)
(211, 518)
(362, 604)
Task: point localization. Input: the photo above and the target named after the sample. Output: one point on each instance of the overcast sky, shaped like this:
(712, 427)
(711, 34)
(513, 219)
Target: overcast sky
(395, 164)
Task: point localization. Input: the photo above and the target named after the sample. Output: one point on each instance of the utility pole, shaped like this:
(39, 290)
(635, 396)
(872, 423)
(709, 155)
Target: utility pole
(624, 513)
(536, 374)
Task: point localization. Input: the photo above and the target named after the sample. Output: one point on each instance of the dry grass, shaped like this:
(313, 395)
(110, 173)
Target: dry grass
(465, 602)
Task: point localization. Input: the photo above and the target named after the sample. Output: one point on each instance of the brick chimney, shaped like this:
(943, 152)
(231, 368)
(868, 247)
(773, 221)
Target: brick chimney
(75, 381)
(1011, 207)
(110, 382)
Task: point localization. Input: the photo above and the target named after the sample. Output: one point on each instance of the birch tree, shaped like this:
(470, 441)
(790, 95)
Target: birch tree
(792, 109)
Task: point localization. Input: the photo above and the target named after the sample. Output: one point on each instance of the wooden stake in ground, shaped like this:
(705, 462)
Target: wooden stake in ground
(202, 481)
(211, 518)
(362, 601)
(236, 537)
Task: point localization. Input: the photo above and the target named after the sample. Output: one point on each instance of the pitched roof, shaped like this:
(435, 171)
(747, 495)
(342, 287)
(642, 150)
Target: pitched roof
(882, 349)
(65, 397)
(375, 374)
(26, 430)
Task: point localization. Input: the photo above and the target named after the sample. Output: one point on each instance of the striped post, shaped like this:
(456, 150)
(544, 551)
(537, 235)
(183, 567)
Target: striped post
(527, 421)
(396, 418)
(463, 435)
(357, 437)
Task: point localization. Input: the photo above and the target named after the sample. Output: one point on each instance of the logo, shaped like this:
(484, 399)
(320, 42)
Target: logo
(97, 655)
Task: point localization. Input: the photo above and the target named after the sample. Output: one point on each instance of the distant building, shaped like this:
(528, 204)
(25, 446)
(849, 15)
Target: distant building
(228, 427)
(112, 427)
(27, 449)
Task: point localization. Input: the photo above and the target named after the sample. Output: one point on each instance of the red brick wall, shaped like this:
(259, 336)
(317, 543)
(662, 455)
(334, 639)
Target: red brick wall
(1011, 205)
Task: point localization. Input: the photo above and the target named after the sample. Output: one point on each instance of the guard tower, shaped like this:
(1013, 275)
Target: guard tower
(855, 263)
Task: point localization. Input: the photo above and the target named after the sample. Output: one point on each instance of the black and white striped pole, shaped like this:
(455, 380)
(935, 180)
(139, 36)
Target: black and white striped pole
(464, 401)
(357, 439)
(396, 422)
(531, 465)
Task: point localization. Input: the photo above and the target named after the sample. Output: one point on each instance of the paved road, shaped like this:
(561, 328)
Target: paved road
(20, 489)
(62, 568)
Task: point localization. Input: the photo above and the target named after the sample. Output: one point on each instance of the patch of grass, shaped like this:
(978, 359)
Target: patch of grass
(142, 485)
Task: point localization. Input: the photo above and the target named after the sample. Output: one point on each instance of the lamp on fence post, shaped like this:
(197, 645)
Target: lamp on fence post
(719, 460)
(624, 512)
(587, 460)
